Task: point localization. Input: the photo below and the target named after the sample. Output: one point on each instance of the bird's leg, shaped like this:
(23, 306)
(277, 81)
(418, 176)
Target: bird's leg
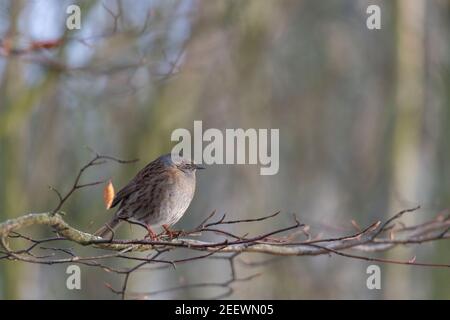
(171, 233)
(151, 234)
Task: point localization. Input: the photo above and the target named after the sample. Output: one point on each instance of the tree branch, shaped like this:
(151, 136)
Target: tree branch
(379, 236)
(367, 240)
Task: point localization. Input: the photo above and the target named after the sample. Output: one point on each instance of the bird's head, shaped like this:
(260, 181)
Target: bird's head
(180, 163)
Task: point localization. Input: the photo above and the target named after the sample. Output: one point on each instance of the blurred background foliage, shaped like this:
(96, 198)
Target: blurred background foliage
(364, 119)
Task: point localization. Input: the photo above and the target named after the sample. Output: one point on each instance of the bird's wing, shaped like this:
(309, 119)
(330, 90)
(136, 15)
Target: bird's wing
(153, 168)
(123, 193)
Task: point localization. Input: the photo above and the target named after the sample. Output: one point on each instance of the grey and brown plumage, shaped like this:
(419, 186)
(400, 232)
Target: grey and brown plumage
(158, 195)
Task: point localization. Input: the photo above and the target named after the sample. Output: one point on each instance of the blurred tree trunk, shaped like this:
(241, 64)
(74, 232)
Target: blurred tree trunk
(409, 101)
(439, 90)
(9, 190)
(17, 101)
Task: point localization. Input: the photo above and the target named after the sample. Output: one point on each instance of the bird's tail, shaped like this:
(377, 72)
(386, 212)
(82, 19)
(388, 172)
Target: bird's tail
(107, 230)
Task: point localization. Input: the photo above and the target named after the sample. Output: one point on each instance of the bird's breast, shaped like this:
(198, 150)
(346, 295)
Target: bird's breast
(178, 196)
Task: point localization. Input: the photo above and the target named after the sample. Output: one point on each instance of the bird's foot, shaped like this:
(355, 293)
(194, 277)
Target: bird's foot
(151, 234)
(172, 234)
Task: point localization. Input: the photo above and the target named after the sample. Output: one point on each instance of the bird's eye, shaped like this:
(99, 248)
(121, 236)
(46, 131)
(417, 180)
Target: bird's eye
(191, 166)
(183, 166)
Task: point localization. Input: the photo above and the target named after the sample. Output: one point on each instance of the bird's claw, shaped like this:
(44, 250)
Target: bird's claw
(151, 235)
(172, 234)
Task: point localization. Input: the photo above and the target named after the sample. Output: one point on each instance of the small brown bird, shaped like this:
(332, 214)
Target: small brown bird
(157, 196)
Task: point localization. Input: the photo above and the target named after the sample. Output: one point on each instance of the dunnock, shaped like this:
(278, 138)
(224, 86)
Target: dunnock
(157, 196)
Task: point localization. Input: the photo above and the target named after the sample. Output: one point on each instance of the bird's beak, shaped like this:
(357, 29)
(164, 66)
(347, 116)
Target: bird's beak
(196, 166)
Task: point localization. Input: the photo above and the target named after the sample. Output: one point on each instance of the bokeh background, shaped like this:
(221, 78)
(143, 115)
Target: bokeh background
(364, 119)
